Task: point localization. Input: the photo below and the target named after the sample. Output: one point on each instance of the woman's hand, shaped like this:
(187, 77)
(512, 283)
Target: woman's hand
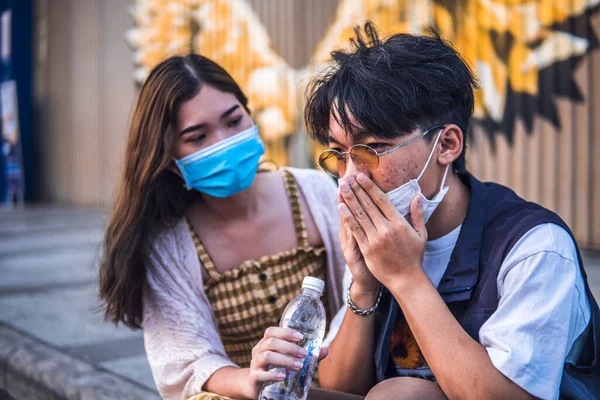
(278, 348)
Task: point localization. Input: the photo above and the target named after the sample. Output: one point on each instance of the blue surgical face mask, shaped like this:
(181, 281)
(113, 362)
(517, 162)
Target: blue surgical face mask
(225, 168)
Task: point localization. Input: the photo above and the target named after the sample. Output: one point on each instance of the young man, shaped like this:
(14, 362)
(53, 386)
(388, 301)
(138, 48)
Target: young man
(459, 289)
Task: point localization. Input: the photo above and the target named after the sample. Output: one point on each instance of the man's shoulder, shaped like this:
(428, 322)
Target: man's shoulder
(513, 225)
(547, 238)
(509, 215)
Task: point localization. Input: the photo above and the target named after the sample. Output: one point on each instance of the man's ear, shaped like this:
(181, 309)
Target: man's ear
(452, 144)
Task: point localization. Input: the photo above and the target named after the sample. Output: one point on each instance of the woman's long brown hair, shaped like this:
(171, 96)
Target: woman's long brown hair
(150, 197)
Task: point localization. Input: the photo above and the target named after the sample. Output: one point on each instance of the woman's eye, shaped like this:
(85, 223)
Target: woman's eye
(234, 122)
(198, 138)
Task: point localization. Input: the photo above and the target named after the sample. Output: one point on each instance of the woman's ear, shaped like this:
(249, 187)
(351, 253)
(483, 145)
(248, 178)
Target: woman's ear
(452, 144)
(173, 168)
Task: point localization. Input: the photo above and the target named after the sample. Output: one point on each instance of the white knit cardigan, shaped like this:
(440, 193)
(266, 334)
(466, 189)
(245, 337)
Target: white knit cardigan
(180, 333)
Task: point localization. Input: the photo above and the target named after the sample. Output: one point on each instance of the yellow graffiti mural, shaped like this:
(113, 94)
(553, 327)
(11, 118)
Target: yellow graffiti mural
(230, 33)
(507, 43)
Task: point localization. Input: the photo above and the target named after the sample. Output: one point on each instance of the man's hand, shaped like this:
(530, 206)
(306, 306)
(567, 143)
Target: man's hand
(392, 249)
(364, 281)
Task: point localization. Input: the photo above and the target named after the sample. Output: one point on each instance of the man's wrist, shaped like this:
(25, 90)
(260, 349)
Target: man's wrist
(362, 297)
(359, 289)
(404, 285)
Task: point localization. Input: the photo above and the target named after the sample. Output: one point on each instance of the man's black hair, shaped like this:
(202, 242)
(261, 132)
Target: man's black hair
(388, 88)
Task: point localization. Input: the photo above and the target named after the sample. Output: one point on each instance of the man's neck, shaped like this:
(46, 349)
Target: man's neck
(451, 212)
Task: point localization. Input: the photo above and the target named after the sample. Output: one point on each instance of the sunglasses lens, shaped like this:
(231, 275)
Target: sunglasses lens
(365, 158)
(332, 162)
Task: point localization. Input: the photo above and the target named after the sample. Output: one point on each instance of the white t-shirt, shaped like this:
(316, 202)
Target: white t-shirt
(542, 307)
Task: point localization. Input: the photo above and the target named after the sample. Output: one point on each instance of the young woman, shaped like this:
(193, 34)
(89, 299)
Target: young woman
(203, 252)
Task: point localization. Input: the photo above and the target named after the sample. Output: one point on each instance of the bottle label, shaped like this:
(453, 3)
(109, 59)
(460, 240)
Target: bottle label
(306, 365)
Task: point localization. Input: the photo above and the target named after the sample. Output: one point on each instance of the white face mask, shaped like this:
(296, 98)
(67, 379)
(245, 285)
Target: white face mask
(403, 195)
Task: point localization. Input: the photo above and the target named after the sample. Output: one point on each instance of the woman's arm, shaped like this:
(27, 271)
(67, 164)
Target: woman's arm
(182, 343)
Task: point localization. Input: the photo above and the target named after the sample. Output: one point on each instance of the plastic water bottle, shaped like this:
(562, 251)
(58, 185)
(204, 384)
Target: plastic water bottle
(304, 314)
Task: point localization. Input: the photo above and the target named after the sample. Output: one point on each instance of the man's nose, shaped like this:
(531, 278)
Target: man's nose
(352, 169)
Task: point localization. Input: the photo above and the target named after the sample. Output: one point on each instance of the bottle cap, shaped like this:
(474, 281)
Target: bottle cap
(313, 283)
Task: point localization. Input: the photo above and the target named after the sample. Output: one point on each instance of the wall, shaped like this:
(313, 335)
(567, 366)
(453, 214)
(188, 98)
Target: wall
(557, 168)
(85, 90)
(83, 94)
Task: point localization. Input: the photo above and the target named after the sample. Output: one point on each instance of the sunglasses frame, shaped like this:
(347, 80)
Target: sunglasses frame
(345, 154)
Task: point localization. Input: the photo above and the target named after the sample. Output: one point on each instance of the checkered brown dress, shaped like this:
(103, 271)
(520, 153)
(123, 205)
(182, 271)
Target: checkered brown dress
(249, 299)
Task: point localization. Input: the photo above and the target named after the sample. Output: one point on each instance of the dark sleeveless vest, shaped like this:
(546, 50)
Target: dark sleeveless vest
(496, 219)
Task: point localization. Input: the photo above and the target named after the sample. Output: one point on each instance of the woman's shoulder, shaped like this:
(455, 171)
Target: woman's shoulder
(170, 240)
(172, 257)
(319, 191)
(168, 231)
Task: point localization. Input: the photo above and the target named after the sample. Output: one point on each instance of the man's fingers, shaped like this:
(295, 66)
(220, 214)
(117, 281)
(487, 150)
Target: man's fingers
(379, 197)
(366, 202)
(417, 216)
(352, 224)
(340, 198)
(357, 210)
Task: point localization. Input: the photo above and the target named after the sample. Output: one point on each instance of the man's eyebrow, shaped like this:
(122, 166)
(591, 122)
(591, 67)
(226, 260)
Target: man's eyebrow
(331, 139)
(358, 137)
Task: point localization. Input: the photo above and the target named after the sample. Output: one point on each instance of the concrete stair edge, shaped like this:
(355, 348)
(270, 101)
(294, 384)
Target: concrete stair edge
(33, 369)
